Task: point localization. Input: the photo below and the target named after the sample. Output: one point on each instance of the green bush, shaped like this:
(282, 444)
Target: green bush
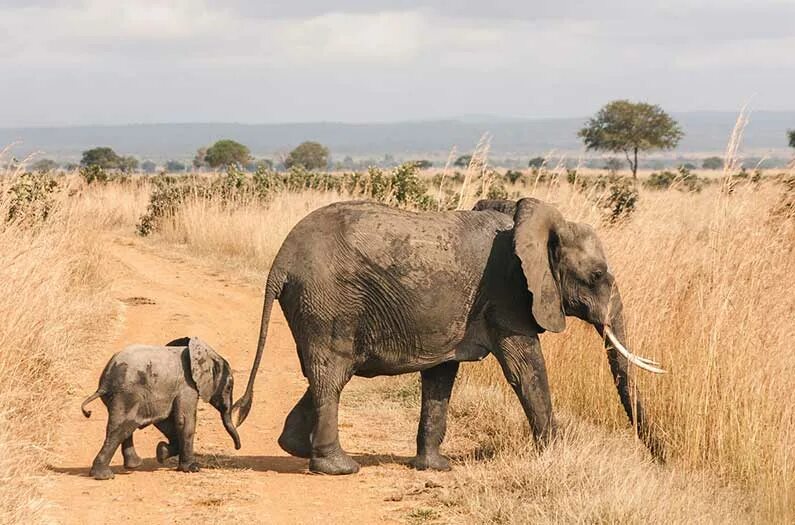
(620, 200)
(513, 175)
(683, 180)
(94, 173)
(616, 196)
(31, 198)
(168, 194)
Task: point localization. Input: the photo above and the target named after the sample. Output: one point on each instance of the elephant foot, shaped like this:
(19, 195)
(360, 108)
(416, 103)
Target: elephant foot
(336, 465)
(295, 446)
(430, 462)
(163, 452)
(188, 467)
(101, 472)
(132, 462)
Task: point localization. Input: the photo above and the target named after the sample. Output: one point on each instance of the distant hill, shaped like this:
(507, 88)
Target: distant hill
(705, 132)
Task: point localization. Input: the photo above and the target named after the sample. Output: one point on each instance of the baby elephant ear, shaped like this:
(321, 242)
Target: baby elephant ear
(205, 367)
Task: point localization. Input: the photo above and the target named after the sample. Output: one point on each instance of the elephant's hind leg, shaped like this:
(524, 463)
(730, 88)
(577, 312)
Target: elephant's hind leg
(295, 438)
(131, 458)
(327, 377)
(437, 384)
(167, 450)
(119, 428)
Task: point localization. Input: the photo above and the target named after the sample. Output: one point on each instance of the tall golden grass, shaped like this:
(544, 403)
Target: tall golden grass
(706, 279)
(53, 303)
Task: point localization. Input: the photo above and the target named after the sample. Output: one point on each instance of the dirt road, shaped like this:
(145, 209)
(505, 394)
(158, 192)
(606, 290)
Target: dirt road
(165, 296)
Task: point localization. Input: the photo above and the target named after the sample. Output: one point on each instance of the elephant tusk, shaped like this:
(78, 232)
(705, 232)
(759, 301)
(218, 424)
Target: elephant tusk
(640, 362)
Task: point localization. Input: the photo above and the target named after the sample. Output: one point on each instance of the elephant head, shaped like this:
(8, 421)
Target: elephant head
(567, 274)
(214, 381)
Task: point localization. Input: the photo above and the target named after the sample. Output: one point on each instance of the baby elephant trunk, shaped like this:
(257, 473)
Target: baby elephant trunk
(226, 417)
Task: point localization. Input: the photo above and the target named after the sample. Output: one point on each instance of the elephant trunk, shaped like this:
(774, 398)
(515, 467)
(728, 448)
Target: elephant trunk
(619, 359)
(226, 417)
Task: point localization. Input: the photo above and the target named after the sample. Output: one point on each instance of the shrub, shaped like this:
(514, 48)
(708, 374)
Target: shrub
(683, 180)
(31, 198)
(169, 192)
(513, 175)
(615, 196)
(94, 173)
(712, 163)
(620, 200)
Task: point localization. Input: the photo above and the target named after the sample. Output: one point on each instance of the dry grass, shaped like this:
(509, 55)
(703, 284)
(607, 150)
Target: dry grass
(54, 302)
(706, 280)
(245, 236)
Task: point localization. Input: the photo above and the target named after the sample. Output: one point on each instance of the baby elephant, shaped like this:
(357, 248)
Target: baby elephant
(161, 385)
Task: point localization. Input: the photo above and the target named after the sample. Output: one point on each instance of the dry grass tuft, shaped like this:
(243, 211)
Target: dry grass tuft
(53, 301)
(246, 235)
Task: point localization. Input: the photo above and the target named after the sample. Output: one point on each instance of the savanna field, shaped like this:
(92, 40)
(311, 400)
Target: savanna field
(705, 264)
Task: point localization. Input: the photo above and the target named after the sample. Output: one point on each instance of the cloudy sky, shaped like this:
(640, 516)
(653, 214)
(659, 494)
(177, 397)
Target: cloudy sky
(130, 61)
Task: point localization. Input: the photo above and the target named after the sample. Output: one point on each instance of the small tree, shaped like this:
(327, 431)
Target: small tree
(536, 162)
(199, 159)
(148, 166)
(227, 153)
(791, 137)
(102, 157)
(462, 161)
(626, 127)
(173, 166)
(44, 166)
(712, 163)
(128, 164)
(309, 155)
(612, 165)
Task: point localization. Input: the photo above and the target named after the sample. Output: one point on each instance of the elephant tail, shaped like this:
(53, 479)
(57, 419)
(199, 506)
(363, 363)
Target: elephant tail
(272, 290)
(88, 400)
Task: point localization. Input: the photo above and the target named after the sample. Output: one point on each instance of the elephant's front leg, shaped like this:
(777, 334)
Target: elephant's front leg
(437, 383)
(523, 365)
(185, 422)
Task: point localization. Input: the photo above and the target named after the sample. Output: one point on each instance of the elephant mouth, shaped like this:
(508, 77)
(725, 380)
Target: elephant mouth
(641, 362)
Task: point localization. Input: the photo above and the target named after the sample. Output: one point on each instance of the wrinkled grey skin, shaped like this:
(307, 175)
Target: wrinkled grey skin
(370, 290)
(161, 385)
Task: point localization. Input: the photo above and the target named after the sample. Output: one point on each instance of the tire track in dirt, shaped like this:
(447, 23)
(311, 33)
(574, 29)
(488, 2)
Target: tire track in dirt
(164, 297)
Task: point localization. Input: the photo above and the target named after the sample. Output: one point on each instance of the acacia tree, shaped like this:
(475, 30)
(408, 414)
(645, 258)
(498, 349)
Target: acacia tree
(227, 153)
(310, 155)
(628, 127)
(104, 157)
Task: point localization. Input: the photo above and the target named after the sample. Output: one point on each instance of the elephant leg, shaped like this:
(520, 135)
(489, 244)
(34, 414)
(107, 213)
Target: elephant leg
(437, 384)
(131, 458)
(523, 366)
(295, 438)
(185, 423)
(327, 377)
(118, 429)
(167, 450)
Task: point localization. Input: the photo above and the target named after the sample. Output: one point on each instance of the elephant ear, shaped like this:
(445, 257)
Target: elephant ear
(535, 242)
(205, 367)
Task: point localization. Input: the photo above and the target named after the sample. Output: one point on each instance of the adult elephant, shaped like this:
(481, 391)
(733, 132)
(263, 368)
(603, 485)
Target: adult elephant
(371, 290)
